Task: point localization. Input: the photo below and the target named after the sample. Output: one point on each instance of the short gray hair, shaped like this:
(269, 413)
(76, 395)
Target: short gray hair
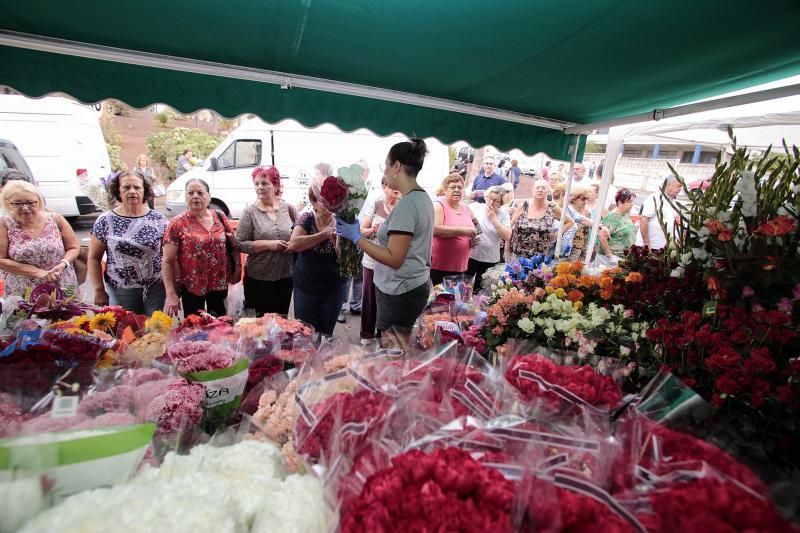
(494, 189)
(670, 179)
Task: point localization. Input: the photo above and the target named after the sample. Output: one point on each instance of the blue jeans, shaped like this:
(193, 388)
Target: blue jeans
(320, 309)
(139, 300)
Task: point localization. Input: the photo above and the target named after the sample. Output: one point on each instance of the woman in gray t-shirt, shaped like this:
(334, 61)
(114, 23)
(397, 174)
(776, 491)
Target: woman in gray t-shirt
(403, 252)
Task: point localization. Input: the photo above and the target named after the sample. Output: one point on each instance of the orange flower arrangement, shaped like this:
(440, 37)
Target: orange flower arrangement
(633, 277)
(575, 295)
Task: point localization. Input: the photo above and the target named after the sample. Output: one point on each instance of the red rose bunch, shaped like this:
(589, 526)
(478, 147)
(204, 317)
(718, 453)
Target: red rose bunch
(711, 504)
(445, 490)
(743, 361)
(573, 512)
(682, 448)
(333, 194)
(334, 413)
(535, 376)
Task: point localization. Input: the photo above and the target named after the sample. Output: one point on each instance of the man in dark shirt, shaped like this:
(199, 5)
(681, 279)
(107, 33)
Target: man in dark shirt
(486, 178)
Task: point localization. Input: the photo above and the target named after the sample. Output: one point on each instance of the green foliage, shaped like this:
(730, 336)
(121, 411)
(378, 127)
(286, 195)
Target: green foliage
(165, 147)
(162, 118)
(452, 154)
(742, 229)
(113, 141)
(594, 148)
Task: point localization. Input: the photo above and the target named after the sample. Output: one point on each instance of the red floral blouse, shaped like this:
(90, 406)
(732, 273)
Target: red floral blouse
(202, 261)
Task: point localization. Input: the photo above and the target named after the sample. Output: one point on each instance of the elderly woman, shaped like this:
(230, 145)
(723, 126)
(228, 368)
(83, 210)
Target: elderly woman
(144, 168)
(495, 224)
(453, 230)
(36, 246)
(373, 215)
(532, 223)
(319, 287)
(621, 231)
(265, 228)
(576, 236)
(130, 235)
(196, 256)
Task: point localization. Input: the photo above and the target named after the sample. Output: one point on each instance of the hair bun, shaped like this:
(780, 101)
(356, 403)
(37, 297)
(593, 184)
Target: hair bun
(418, 147)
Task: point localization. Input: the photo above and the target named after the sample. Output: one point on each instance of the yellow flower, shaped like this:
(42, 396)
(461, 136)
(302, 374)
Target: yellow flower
(160, 322)
(74, 331)
(103, 321)
(81, 320)
(561, 293)
(577, 305)
(549, 289)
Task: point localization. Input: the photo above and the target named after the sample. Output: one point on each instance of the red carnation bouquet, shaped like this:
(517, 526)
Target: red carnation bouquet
(344, 195)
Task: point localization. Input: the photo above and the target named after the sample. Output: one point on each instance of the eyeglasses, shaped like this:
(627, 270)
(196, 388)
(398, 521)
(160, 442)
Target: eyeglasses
(19, 205)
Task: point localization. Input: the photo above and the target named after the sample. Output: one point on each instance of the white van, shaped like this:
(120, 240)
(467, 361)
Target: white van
(294, 150)
(62, 143)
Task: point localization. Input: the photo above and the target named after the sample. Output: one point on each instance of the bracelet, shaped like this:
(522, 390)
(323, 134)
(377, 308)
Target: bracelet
(66, 263)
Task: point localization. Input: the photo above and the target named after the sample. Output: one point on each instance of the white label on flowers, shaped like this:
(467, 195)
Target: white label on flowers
(64, 406)
(225, 390)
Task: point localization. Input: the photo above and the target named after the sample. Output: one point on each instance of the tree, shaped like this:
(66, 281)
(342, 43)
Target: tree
(166, 146)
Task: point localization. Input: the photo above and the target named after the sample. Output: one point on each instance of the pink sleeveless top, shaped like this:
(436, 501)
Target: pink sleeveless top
(452, 253)
(45, 251)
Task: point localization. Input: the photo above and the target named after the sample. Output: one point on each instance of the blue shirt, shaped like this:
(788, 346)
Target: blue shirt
(482, 183)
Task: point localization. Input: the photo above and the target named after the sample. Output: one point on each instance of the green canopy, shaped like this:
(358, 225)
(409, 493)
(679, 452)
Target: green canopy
(573, 61)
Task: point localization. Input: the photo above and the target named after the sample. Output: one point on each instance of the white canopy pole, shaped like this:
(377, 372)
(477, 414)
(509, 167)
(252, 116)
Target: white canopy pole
(613, 148)
(574, 149)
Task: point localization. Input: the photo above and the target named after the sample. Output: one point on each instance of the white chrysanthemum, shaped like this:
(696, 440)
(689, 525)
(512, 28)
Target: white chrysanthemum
(190, 503)
(299, 507)
(526, 325)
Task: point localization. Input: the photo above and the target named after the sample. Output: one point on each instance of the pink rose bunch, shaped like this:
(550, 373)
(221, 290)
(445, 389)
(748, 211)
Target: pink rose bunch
(199, 356)
(180, 408)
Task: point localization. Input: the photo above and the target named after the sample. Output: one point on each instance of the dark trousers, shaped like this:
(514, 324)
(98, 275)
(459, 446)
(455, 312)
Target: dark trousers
(369, 306)
(320, 309)
(213, 302)
(437, 276)
(477, 268)
(267, 296)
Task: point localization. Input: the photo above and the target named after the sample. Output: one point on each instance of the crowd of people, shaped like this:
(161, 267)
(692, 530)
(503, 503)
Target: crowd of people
(140, 260)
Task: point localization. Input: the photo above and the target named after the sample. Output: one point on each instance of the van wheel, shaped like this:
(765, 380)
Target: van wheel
(218, 207)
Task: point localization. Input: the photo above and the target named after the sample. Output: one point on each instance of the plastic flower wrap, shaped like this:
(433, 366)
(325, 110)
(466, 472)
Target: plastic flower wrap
(538, 378)
(219, 369)
(344, 196)
(445, 490)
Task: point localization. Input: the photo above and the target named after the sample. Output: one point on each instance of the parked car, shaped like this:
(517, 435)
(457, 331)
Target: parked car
(63, 145)
(294, 150)
(10, 157)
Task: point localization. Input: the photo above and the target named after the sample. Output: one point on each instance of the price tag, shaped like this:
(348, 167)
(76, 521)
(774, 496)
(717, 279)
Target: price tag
(710, 309)
(64, 406)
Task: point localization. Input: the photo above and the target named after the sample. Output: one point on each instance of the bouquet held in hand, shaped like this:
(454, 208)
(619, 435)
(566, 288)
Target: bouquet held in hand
(344, 195)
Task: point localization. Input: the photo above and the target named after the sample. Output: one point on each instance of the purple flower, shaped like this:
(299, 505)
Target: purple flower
(785, 305)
